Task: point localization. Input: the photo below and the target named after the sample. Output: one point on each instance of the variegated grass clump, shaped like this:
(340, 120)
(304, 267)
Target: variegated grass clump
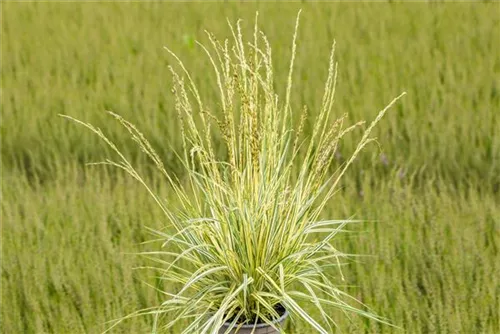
(245, 222)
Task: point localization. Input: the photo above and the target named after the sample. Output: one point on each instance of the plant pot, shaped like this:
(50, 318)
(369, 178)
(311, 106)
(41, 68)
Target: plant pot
(260, 328)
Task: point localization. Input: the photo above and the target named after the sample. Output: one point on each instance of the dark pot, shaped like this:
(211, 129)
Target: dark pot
(255, 329)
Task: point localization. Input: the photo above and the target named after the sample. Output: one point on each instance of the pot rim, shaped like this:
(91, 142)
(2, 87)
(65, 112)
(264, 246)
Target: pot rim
(260, 324)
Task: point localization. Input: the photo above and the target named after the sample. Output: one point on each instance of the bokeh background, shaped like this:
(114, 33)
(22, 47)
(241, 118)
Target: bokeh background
(432, 185)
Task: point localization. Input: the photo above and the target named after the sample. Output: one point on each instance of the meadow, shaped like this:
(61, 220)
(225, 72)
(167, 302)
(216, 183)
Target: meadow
(431, 188)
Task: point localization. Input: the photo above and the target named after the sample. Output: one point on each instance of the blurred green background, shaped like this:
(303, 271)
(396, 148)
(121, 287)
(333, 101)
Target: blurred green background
(433, 184)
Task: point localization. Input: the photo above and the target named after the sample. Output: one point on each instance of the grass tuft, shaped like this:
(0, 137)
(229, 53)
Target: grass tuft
(245, 222)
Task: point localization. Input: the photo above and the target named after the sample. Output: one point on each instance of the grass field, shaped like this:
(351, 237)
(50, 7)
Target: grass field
(432, 185)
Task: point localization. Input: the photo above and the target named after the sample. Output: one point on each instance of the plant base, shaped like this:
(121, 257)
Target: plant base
(256, 329)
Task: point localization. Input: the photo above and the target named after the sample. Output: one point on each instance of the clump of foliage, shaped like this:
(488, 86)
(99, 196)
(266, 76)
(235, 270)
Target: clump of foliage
(247, 223)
